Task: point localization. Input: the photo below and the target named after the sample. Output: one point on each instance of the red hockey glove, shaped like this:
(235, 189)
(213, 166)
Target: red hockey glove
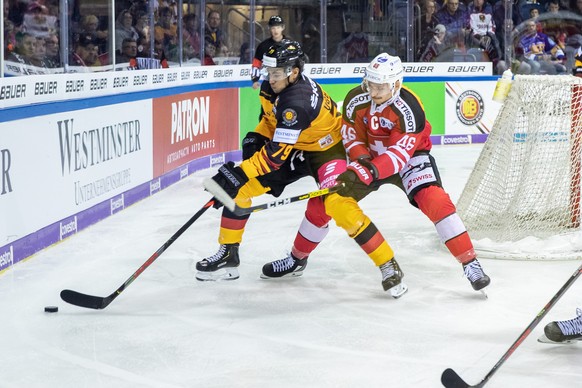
(231, 179)
(356, 179)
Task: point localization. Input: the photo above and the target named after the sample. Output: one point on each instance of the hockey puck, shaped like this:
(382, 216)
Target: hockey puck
(51, 309)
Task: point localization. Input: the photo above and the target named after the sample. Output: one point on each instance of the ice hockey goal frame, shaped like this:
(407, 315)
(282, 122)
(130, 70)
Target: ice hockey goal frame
(522, 200)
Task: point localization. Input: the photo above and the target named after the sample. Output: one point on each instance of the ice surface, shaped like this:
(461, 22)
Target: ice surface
(332, 327)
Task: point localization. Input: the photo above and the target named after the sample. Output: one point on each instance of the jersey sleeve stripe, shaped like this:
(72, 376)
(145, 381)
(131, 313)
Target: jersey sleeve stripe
(391, 162)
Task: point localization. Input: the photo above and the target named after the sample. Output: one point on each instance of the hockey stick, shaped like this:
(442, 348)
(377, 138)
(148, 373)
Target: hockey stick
(214, 188)
(451, 379)
(98, 302)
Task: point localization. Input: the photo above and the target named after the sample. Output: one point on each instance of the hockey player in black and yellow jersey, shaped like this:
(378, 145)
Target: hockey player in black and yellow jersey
(387, 137)
(299, 135)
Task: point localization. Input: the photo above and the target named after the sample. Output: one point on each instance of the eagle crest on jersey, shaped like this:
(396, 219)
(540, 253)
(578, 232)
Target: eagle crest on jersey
(289, 117)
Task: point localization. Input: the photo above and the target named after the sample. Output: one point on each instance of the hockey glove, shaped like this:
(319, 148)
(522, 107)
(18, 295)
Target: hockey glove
(252, 143)
(231, 179)
(356, 179)
(255, 74)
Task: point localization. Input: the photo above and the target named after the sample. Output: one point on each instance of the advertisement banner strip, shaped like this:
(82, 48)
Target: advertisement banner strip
(37, 89)
(24, 247)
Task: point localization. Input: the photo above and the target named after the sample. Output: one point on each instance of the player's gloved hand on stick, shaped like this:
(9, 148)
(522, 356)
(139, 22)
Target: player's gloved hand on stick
(252, 143)
(231, 178)
(356, 179)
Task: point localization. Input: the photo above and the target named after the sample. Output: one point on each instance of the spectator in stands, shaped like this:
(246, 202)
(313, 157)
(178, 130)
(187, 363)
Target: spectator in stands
(428, 22)
(37, 21)
(552, 24)
(86, 51)
(89, 25)
(572, 47)
(144, 47)
(276, 28)
(553, 6)
(455, 21)
(541, 52)
(191, 37)
(146, 61)
(312, 44)
(137, 8)
(354, 48)
(38, 58)
(215, 33)
(24, 48)
(142, 25)
(576, 7)
(245, 54)
(209, 52)
(482, 32)
(502, 25)
(124, 29)
(534, 13)
(53, 55)
(565, 5)
(160, 54)
(128, 51)
(439, 48)
(166, 33)
(9, 36)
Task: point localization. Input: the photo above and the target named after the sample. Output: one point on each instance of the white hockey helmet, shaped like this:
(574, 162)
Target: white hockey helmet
(385, 69)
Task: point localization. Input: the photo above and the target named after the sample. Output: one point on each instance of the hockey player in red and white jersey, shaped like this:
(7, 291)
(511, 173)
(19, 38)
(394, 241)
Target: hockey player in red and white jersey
(387, 138)
(299, 135)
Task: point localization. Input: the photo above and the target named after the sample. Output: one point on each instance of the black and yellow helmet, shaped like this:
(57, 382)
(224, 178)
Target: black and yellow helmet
(286, 53)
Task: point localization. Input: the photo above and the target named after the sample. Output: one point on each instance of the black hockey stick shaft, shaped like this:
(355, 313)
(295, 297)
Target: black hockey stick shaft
(451, 379)
(98, 302)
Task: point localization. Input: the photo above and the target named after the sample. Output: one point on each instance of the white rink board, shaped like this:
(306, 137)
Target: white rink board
(34, 89)
(52, 178)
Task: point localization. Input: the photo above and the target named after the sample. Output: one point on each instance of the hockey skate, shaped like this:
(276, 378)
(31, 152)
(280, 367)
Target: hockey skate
(288, 266)
(220, 266)
(392, 278)
(564, 332)
(476, 276)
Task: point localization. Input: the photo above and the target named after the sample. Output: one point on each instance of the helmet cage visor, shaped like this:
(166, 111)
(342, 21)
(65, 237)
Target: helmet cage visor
(382, 88)
(276, 73)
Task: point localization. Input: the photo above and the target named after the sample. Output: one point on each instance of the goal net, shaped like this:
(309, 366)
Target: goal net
(522, 200)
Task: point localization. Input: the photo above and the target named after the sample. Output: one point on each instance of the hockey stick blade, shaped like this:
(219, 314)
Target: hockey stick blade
(451, 379)
(218, 192)
(84, 300)
(99, 303)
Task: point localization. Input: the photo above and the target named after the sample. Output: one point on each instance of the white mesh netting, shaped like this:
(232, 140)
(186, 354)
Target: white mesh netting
(522, 199)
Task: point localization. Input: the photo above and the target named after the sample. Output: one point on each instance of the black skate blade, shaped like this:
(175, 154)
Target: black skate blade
(545, 340)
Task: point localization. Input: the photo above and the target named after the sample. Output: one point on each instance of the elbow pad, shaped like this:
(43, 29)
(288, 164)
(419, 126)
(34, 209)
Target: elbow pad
(252, 143)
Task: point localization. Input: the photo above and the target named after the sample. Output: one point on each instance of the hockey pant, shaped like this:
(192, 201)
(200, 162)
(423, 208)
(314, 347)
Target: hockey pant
(345, 211)
(294, 168)
(421, 182)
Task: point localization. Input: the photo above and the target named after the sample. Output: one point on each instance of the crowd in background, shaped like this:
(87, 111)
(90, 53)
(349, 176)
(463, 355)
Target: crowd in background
(545, 34)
